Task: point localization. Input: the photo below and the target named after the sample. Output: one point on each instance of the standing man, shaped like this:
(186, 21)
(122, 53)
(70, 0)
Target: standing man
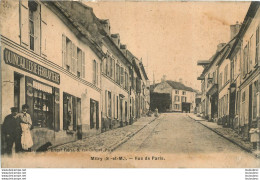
(12, 131)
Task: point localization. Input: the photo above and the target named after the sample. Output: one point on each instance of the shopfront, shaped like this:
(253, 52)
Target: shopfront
(27, 82)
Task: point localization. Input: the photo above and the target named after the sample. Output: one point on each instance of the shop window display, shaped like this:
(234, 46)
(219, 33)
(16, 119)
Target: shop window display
(42, 106)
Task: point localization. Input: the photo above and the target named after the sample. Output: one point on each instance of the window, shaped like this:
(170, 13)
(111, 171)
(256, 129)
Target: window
(94, 72)
(257, 52)
(176, 106)
(73, 57)
(255, 90)
(176, 92)
(112, 68)
(225, 74)
(245, 61)
(117, 74)
(243, 96)
(71, 111)
(109, 105)
(126, 81)
(122, 77)
(177, 98)
(109, 67)
(232, 70)
(220, 80)
(183, 93)
(34, 26)
(183, 99)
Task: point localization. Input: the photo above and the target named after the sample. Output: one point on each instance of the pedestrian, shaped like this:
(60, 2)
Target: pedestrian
(26, 124)
(12, 131)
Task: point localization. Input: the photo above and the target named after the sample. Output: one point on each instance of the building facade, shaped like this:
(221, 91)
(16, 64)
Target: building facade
(58, 59)
(182, 97)
(239, 77)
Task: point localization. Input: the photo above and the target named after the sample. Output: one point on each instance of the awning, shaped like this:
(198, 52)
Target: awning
(42, 87)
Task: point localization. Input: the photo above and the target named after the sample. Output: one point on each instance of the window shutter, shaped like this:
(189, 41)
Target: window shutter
(24, 15)
(97, 73)
(83, 65)
(57, 109)
(79, 61)
(37, 30)
(64, 58)
(69, 53)
(94, 72)
(106, 103)
(258, 46)
(74, 58)
(44, 39)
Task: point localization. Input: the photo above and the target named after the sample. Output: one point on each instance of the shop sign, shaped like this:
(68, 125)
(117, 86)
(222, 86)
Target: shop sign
(25, 64)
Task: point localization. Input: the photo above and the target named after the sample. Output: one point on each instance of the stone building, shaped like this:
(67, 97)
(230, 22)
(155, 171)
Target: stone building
(62, 61)
(182, 97)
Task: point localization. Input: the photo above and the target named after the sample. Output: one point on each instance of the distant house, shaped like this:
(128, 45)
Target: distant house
(182, 98)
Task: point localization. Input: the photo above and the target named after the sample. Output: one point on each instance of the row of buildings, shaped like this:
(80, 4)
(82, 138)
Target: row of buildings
(77, 78)
(230, 79)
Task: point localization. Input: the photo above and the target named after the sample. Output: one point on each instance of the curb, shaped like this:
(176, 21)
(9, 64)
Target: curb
(114, 147)
(234, 142)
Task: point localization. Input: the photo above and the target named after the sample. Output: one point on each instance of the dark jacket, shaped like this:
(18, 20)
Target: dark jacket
(11, 126)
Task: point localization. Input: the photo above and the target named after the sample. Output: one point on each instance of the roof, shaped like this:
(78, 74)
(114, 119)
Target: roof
(137, 70)
(247, 21)
(174, 85)
(179, 86)
(81, 20)
(143, 70)
(228, 45)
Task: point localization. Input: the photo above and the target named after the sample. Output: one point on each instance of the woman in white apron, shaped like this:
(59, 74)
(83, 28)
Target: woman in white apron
(26, 123)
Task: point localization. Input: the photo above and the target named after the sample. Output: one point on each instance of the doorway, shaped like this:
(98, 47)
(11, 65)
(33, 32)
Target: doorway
(250, 108)
(94, 114)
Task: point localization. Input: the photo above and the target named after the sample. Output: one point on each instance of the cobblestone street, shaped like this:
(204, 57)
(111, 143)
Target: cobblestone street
(107, 141)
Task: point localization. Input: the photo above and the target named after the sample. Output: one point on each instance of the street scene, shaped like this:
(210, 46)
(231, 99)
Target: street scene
(126, 84)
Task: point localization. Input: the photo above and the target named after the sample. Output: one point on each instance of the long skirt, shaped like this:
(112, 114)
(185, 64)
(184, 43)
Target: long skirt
(26, 139)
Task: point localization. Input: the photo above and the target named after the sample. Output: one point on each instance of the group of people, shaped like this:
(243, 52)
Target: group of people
(16, 130)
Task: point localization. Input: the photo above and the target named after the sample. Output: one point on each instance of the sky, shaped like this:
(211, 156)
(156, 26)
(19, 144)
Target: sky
(171, 37)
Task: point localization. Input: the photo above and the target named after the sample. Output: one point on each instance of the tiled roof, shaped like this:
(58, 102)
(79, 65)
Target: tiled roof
(180, 86)
(175, 85)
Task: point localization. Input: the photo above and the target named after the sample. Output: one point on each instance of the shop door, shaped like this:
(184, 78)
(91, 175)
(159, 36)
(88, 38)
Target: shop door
(250, 108)
(121, 109)
(232, 108)
(97, 115)
(125, 111)
(92, 105)
(93, 114)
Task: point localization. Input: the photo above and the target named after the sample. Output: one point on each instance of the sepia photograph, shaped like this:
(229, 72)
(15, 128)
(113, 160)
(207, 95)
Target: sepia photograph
(129, 84)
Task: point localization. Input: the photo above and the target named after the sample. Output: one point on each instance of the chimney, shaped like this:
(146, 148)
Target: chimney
(234, 29)
(116, 39)
(163, 78)
(106, 25)
(180, 80)
(220, 46)
(123, 48)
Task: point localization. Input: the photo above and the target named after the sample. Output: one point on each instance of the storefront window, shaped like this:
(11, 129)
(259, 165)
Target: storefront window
(42, 105)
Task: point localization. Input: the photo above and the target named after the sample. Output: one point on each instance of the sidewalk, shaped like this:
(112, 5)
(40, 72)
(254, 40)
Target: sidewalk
(107, 141)
(227, 133)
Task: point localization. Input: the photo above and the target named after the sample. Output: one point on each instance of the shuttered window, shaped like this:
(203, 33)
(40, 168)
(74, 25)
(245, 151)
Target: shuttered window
(257, 55)
(24, 24)
(83, 65)
(79, 62)
(73, 58)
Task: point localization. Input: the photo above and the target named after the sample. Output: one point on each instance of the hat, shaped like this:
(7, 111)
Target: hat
(25, 106)
(14, 109)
